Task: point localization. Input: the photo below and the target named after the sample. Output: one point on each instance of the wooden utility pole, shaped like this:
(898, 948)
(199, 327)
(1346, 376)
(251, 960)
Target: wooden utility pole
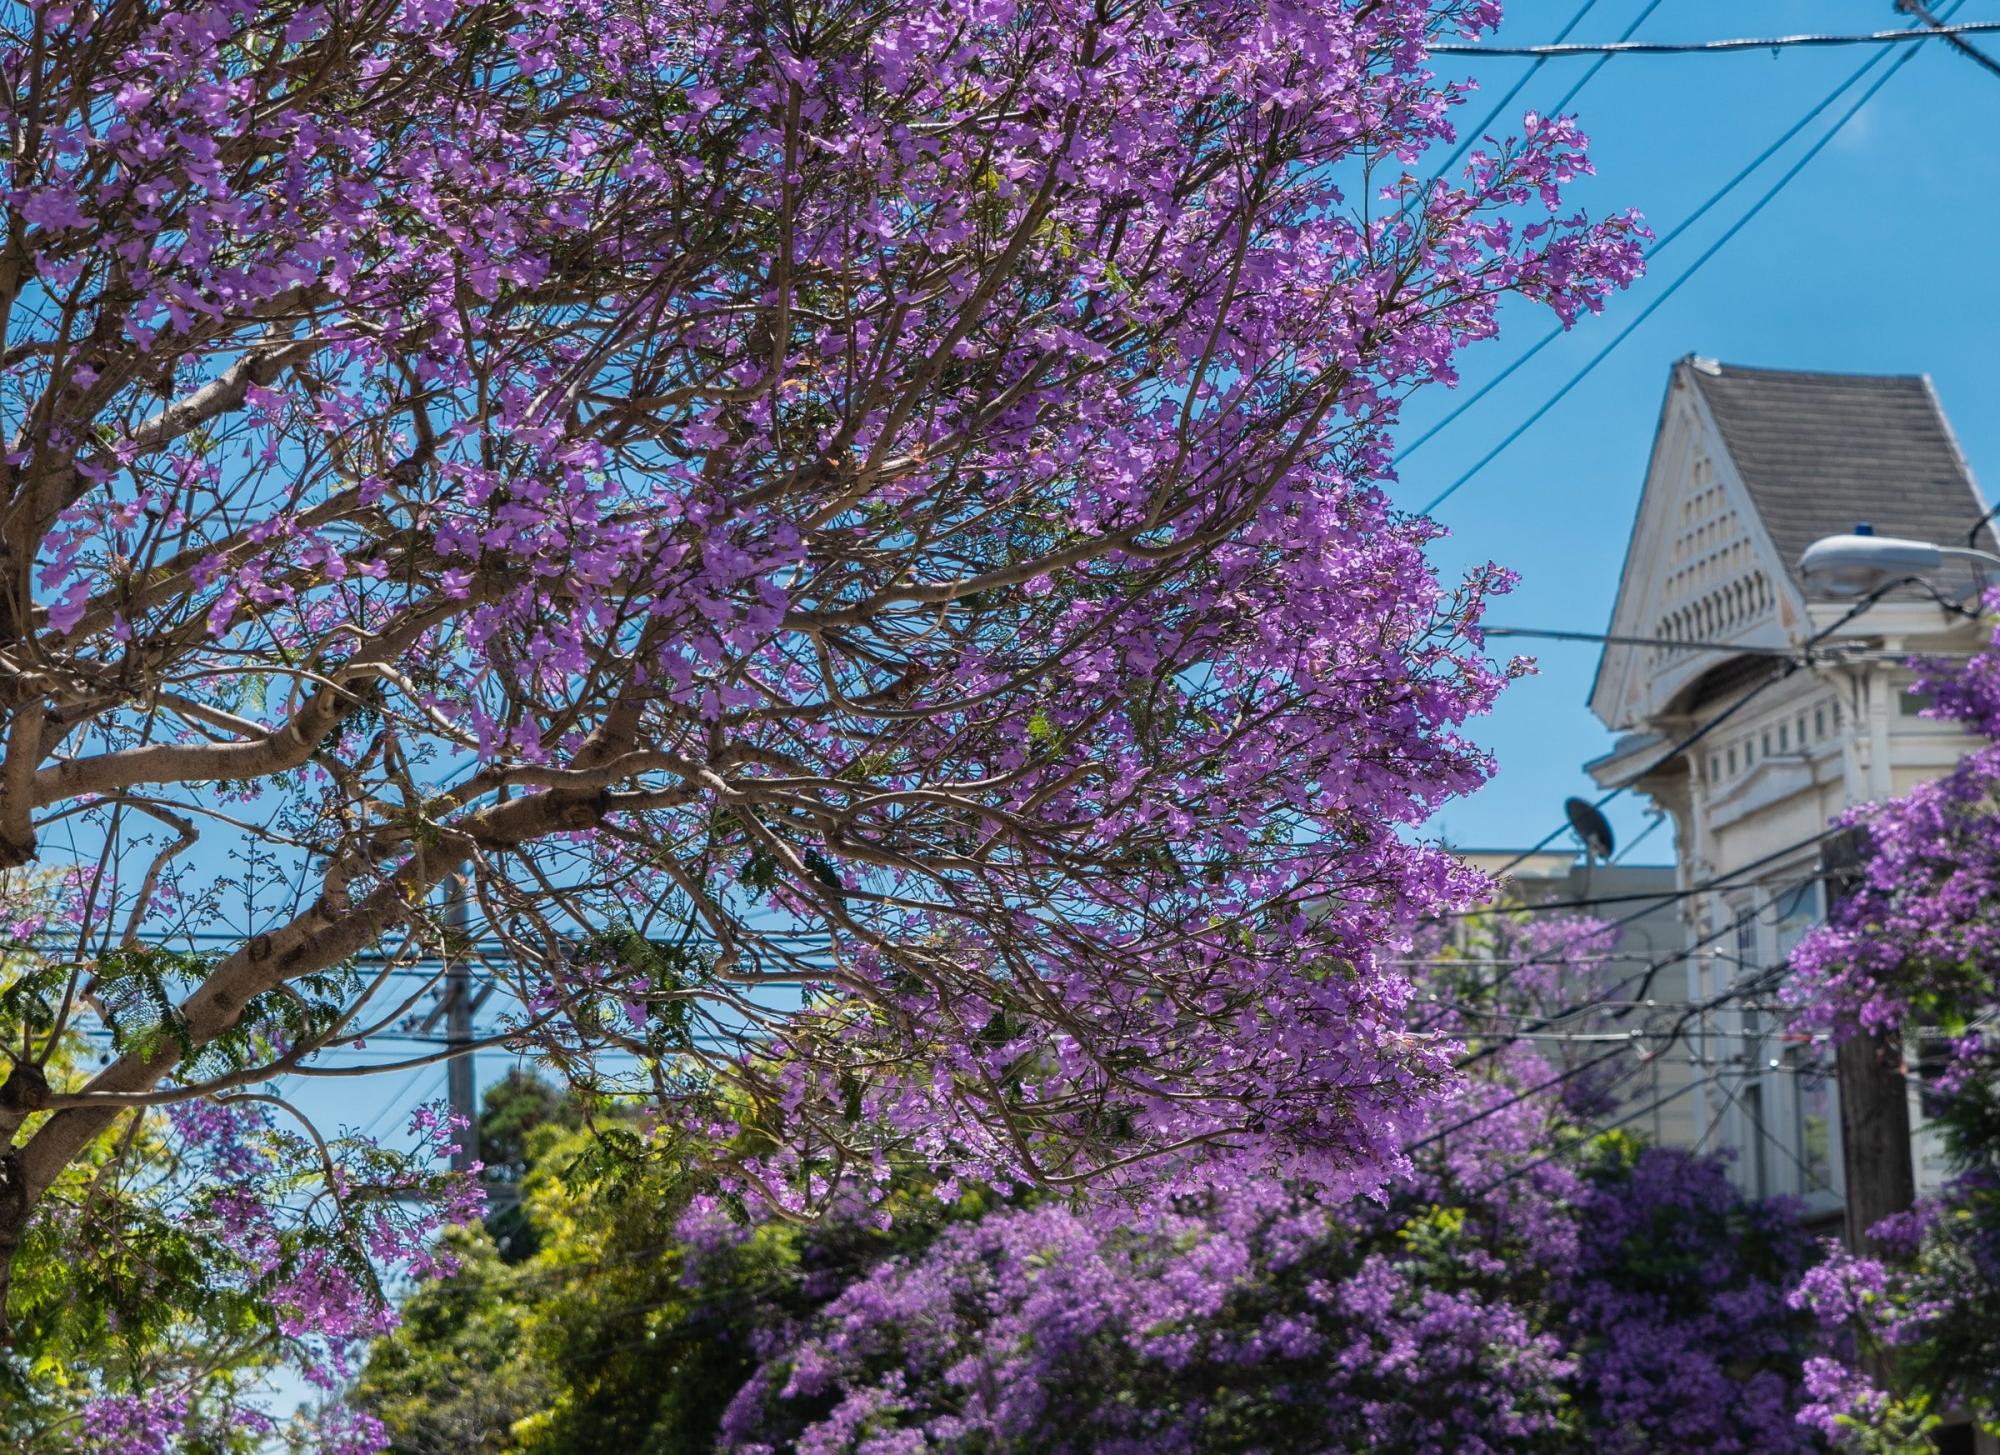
(1880, 1173)
(1874, 1133)
(456, 1007)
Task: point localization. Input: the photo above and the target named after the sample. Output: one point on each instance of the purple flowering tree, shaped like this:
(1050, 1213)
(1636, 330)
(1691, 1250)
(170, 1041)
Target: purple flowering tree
(1910, 957)
(850, 534)
(193, 1246)
(1499, 1299)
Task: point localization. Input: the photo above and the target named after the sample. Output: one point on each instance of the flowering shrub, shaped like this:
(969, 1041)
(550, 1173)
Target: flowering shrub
(1502, 1296)
(1643, 1311)
(1499, 1299)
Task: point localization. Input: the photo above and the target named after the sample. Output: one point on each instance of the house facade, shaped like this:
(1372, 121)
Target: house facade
(1753, 713)
(1652, 1093)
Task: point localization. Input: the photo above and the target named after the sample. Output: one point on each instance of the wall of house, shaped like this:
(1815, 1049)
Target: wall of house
(1654, 1096)
(1753, 809)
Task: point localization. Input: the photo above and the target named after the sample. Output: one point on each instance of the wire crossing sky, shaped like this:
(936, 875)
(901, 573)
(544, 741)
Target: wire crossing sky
(1868, 260)
(1560, 51)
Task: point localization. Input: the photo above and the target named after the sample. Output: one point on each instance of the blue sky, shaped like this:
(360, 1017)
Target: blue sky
(1878, 258)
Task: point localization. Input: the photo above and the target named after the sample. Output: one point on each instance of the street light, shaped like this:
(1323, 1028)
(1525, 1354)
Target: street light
(1856, 564)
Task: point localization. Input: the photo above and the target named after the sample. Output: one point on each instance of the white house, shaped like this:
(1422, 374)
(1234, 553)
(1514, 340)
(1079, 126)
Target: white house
(1749, 466)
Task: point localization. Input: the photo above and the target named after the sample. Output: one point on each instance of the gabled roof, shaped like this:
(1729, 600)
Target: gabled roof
(1747, 468)
(1820, 453)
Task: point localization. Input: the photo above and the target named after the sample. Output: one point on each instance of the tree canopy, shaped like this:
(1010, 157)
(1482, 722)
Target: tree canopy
(831, 555)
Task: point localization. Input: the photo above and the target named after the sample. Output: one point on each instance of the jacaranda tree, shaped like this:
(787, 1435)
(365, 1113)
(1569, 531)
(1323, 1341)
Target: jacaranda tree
(1911, 953)
(848, 532)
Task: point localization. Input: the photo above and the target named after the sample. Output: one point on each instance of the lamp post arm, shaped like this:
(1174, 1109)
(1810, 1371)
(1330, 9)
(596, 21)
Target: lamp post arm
(1966, 553)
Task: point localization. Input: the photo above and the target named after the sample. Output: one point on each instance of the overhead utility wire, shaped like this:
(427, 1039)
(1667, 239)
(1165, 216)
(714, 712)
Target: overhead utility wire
(1784, 672)
(1685, 952)
(1764, 980)
(1710, 251)
(1597, 1131)
(1658, 247)
(1845, 657)
(1655, 899)
(1745, 43)
(1655, 250)
(1556, 110)
(1645, 977)
(1618, 639)
(1950, 35)
(1493, 114)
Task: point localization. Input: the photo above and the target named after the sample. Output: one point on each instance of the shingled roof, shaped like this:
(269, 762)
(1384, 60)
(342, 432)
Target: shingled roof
(1822, 452)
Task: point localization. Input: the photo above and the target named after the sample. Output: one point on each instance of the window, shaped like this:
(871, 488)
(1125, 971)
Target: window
(1714, 766)
(1803, 739)
(1732, 760)
(1746, 937)
(1819, 723)
(1760, 1137)
(1836, 715)
(1914, 704)
(1767, 742)
(1749, 751)
(1784, 737)
(1816, 1113)
(1795, 910)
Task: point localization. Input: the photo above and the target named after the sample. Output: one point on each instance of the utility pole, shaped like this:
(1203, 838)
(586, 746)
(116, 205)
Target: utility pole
(461, 1087)
(1874, 1132)
(1874, 1093)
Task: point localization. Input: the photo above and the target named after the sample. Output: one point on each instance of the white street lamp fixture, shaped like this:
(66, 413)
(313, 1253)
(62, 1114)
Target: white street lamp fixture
(1856, 564)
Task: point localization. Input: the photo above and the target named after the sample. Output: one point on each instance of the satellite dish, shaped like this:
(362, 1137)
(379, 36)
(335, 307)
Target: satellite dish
(1590, 826)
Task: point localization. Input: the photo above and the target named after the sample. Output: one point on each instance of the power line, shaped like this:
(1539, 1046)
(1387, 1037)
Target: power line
(1656, 899)
(1757, 984)
(1659, 247)
(1685, 952)
(1784, 672)
(1845, 657)
(1950, 35)
(1741, 43)
(1493, 114)
(1553, 334)
(1597, 1130)
(1713, 248)
(1619, 639)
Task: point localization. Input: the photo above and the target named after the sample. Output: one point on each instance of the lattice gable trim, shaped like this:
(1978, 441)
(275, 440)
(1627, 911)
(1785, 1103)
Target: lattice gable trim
(1701, 568)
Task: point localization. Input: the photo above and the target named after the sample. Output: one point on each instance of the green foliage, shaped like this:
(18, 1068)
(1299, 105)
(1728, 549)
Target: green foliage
(114, 1288)
(596, 1339)
(139, 989)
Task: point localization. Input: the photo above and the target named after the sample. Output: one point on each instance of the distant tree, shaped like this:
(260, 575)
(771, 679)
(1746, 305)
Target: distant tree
(193, 1248)
(613, 1330)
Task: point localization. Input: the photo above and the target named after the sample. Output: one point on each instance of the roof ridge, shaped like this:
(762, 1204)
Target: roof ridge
(1717, 367)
